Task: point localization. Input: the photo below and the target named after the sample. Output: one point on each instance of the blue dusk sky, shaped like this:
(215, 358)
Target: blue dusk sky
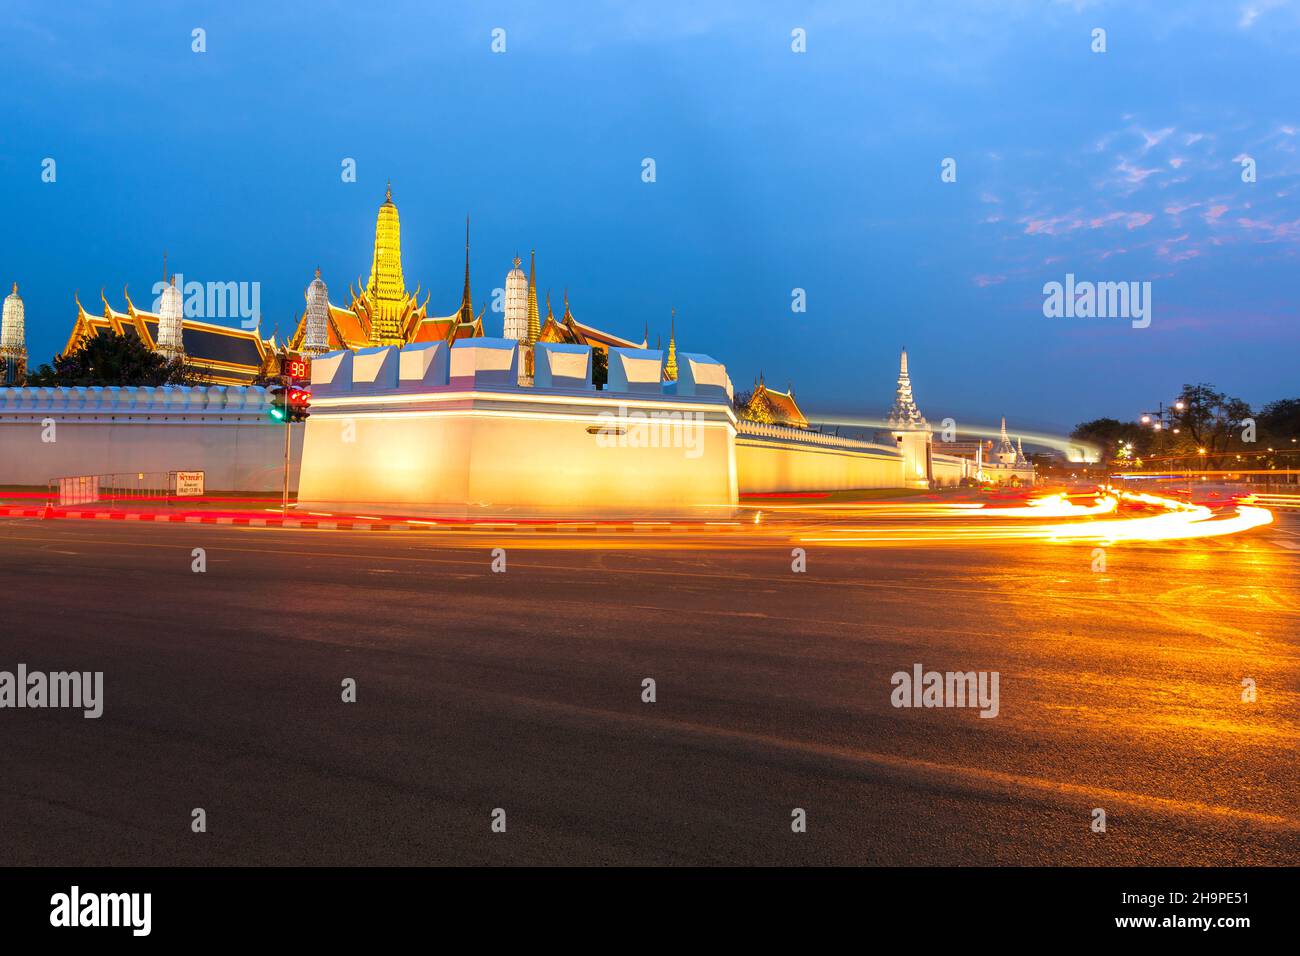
(775, 170)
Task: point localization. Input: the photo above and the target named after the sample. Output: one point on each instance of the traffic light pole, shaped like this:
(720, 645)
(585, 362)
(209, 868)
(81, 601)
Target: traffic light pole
(284, 509)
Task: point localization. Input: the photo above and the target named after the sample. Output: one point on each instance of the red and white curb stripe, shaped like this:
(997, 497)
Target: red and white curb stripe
(320, 524)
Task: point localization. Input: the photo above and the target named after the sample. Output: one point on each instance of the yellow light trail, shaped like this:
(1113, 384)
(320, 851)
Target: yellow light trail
(1173, 520)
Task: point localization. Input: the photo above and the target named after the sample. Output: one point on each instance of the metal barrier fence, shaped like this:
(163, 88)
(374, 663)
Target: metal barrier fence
(138, 486)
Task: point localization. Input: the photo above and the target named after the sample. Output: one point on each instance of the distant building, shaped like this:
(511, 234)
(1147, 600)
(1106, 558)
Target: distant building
(1001, 464)
(225, 355)
(13, 341)
(771, 407)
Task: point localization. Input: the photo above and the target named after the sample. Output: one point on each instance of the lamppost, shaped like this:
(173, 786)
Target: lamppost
(1162, 419)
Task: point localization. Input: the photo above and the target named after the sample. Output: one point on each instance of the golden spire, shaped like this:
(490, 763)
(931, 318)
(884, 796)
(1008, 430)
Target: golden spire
(386, 289)
(534, 324)
(670, 367)
(466, 303)
(550, 316)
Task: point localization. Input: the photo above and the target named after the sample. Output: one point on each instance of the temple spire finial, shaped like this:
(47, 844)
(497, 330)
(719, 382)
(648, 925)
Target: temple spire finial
(904, 415)
(534, 321)
(670, 362)
(388, 192)
(466, 301)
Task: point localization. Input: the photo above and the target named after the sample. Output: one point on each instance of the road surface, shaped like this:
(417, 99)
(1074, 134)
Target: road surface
(477, 690)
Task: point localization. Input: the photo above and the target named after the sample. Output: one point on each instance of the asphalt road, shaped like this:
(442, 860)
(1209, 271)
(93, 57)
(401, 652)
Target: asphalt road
(522, 690)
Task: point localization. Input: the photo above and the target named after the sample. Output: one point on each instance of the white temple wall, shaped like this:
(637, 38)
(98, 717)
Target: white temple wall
(222, 431)
(770, 459)
(949, 470)
(431, 430)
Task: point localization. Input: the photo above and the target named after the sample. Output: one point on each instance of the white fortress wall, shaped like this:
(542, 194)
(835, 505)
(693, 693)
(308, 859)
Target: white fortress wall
(951, 469)
(438, 430)
(774, 458)
(224, 431)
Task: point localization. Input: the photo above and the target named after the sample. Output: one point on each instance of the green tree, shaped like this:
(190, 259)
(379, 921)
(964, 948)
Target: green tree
(112, 359)
(1114, 437)
(1209, 419)
(1279, 422)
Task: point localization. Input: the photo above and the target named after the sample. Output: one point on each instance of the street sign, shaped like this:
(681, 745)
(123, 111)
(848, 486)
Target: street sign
(189, 484)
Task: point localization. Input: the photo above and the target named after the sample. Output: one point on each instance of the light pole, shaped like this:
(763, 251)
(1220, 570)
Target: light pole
(1162, 419)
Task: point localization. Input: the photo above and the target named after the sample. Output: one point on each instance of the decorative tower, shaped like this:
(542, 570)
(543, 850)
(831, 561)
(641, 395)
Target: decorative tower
(670, 366)
(387, 288)
(1006, 453)
(516, 326)
(910, 432)
(171, 312)
(905, 415)
(1020, 453)
(534, 321)
(315, 339)
(13, 341)
(466, 303)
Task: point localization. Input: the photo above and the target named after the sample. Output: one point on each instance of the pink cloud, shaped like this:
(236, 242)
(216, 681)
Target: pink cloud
(1135, 174)
(984, 281)
(1214, 212)
(1051, 226)
(1134, 220)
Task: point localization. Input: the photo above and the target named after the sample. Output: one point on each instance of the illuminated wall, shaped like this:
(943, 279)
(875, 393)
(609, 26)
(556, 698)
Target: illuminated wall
(224, 431)
(949, 470)
(772, 458)
(432, 429)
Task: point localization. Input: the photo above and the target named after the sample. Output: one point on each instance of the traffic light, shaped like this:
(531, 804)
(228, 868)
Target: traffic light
(299, 403)
(279, 403)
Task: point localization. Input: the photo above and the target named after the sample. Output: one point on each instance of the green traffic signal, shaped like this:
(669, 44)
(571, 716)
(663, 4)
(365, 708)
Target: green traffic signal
(279, 403)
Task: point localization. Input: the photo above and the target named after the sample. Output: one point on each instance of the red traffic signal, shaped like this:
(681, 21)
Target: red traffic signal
(299, 402)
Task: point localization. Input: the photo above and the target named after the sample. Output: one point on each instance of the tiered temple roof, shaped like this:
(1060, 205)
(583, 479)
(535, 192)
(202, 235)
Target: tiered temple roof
(226, 355)
(570, 331)
(382, 312)
(771, 407)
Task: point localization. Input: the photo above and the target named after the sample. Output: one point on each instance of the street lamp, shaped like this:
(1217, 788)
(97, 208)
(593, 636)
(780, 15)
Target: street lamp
(1161, 420)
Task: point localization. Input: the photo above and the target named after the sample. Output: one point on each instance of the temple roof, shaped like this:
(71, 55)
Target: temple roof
(227, 355)
(774, 408)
